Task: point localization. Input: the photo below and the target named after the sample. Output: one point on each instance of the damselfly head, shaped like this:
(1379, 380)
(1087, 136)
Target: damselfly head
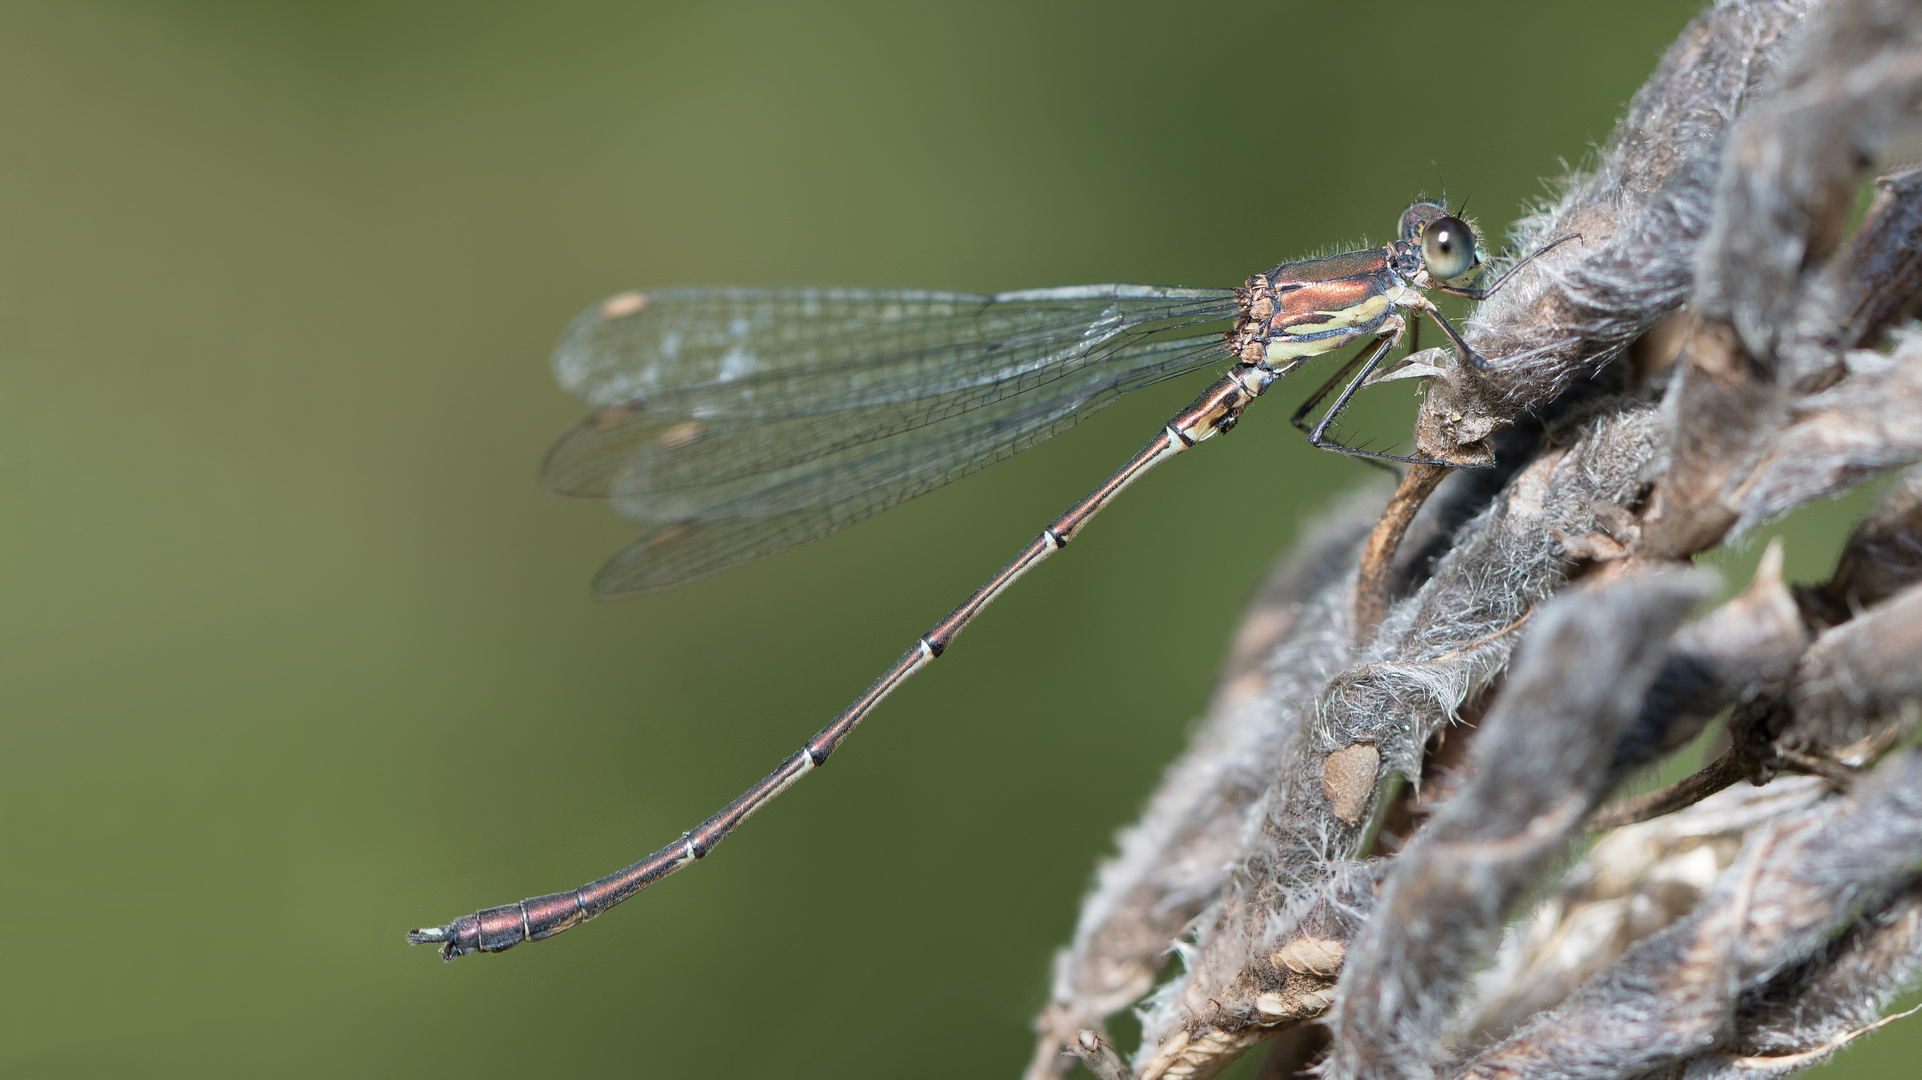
(1447, 242)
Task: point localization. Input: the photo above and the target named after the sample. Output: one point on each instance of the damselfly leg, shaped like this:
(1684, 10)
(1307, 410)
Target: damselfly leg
(1373, 354)
(1299, 418)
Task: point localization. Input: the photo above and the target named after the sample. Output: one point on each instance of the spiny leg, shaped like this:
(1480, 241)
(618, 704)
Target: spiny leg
(500, 928)
(1428, 308)
(1319, 436)
(1300, 417)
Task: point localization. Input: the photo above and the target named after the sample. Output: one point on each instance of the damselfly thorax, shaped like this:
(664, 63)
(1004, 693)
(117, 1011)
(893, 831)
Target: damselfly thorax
(1303, 309)
(740, 422)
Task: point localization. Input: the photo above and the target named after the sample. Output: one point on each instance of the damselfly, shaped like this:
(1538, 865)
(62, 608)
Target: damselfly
(741, 422)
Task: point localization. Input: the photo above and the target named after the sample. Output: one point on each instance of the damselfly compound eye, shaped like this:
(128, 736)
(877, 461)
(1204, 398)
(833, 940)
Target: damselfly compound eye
(1448, 247)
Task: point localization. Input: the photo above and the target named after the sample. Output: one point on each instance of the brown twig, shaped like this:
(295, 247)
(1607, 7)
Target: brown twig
(1373, 580)
(1724, 771)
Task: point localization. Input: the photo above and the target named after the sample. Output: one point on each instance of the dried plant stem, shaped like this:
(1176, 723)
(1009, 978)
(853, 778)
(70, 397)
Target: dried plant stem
(1719, 930)
(1378, 555)
(1725, 770)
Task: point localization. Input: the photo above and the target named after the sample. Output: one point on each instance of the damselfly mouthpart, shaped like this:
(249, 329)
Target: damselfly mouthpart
(744, 421)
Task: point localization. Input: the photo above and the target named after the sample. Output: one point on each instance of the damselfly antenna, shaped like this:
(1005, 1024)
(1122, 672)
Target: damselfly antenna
(1485, 293)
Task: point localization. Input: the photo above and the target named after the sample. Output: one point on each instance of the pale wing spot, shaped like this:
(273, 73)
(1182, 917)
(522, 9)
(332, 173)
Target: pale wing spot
(679, 435)
(601, 419)
(620, 307)
(669, 535)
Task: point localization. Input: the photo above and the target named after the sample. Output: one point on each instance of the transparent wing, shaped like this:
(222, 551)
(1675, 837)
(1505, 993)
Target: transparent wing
(732, 358)
(746, 421)
(710, 529)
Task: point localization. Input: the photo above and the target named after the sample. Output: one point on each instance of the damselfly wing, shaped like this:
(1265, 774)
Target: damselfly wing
(741, 422)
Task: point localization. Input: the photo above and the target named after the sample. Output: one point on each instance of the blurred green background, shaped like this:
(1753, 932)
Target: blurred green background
(295, 654)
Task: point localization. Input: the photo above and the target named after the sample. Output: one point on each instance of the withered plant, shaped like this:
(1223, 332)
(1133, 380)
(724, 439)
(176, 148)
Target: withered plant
(1438, 699)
